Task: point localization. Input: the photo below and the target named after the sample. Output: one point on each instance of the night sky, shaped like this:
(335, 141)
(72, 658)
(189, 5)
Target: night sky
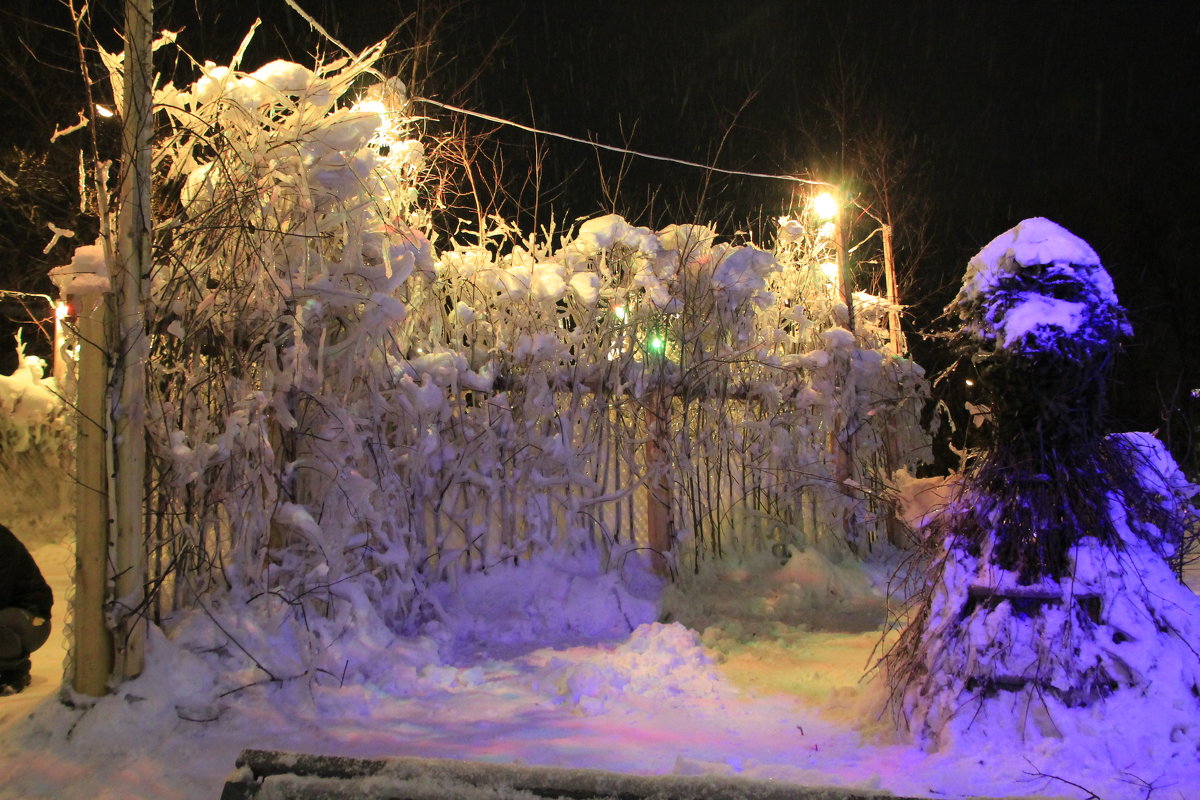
(970, 116)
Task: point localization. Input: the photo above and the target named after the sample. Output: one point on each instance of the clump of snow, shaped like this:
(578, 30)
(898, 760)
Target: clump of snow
(920, 500)
(661, 664)
(838, 338)
(1023, 318)
(742, 273)
(86, 274)
(32, 412)
(548, 598)
(1031, 242)
(610, 231)
(1036, 286)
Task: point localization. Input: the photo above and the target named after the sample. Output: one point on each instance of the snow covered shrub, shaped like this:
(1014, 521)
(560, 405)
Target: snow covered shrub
(32, 413)
(752, 386)
(1049, 586)
(36, 445)
(1041, 326)
(288, 247)
(342, 418)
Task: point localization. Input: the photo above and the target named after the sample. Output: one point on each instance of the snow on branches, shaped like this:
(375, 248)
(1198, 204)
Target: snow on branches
(1049, 584)
(344, 417)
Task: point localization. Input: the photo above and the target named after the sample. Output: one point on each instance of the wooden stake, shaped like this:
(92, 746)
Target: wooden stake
(658, 498)
(93, 643)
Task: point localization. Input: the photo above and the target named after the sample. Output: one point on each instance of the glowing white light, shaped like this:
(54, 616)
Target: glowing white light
(827, 230)
(62, 311)
(372, 106)
(619, 312)
(830, 268)
(970, 382)
(103, 111)
(825, 206)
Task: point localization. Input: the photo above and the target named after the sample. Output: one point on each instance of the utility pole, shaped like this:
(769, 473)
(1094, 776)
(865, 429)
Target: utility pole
(895, 334)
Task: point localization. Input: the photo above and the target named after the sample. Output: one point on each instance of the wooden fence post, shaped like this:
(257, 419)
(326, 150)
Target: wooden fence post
(92, 654)
(658, 489)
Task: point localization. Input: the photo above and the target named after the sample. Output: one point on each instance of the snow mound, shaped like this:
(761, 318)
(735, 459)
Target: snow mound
(551, 598)
(762, 594)
(1036, 286)
(657, 663)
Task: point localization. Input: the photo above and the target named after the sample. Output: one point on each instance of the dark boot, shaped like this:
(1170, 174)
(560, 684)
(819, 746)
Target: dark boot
(15, 680)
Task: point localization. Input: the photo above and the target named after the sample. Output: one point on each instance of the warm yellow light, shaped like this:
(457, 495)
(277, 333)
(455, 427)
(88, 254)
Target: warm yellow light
(62, 311)
(826, 231)
(830, 268)
(371, 106)
(104, 112)
(970, 382)
(619, 312)
(825, 205)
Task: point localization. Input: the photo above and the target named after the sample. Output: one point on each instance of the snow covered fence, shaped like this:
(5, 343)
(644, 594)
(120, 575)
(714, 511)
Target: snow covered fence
(340, 409)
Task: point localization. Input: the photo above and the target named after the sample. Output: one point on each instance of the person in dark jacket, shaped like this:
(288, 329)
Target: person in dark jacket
(25, 601)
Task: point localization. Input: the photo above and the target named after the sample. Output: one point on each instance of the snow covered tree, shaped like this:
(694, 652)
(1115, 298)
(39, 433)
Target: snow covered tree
(1049, 582)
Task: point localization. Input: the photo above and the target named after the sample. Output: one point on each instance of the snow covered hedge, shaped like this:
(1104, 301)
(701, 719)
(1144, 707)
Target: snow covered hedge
(33, 416)
(341, 410)
(37, 441)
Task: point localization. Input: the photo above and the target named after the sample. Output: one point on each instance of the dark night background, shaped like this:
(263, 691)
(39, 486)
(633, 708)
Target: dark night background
(961, 119)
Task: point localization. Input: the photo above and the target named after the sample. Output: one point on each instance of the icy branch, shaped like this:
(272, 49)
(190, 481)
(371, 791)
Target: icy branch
(83, 123)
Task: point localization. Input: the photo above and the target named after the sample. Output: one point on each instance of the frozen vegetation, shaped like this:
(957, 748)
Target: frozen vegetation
(402, 482)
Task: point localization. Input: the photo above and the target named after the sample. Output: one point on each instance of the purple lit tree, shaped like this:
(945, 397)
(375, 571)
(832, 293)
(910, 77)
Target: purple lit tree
(1050, 583)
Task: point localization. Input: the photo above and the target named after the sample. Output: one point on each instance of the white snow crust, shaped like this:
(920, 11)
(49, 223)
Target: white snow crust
(1027, 320)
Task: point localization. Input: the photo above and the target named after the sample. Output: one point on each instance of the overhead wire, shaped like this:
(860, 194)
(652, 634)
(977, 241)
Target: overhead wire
(615, 148)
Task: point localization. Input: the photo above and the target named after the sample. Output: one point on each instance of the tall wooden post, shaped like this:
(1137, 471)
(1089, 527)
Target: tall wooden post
(92, 655)
(846, 420)
(845, 277)
(128, 345)
(898, 347)
(658, 489)
(895, 335)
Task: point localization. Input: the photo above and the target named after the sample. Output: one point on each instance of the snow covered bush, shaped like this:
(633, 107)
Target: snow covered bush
(343, 417)
(290, 244)
(36, 447)
(32, 413)
(1049, 585)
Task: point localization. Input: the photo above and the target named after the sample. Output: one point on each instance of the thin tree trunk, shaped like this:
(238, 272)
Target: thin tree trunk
(129, 341)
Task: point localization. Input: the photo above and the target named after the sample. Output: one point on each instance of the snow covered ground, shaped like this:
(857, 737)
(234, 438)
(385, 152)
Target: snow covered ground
(757, 672)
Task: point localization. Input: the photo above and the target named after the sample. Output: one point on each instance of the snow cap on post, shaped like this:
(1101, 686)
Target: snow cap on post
(86, 274)
(1035, 288)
